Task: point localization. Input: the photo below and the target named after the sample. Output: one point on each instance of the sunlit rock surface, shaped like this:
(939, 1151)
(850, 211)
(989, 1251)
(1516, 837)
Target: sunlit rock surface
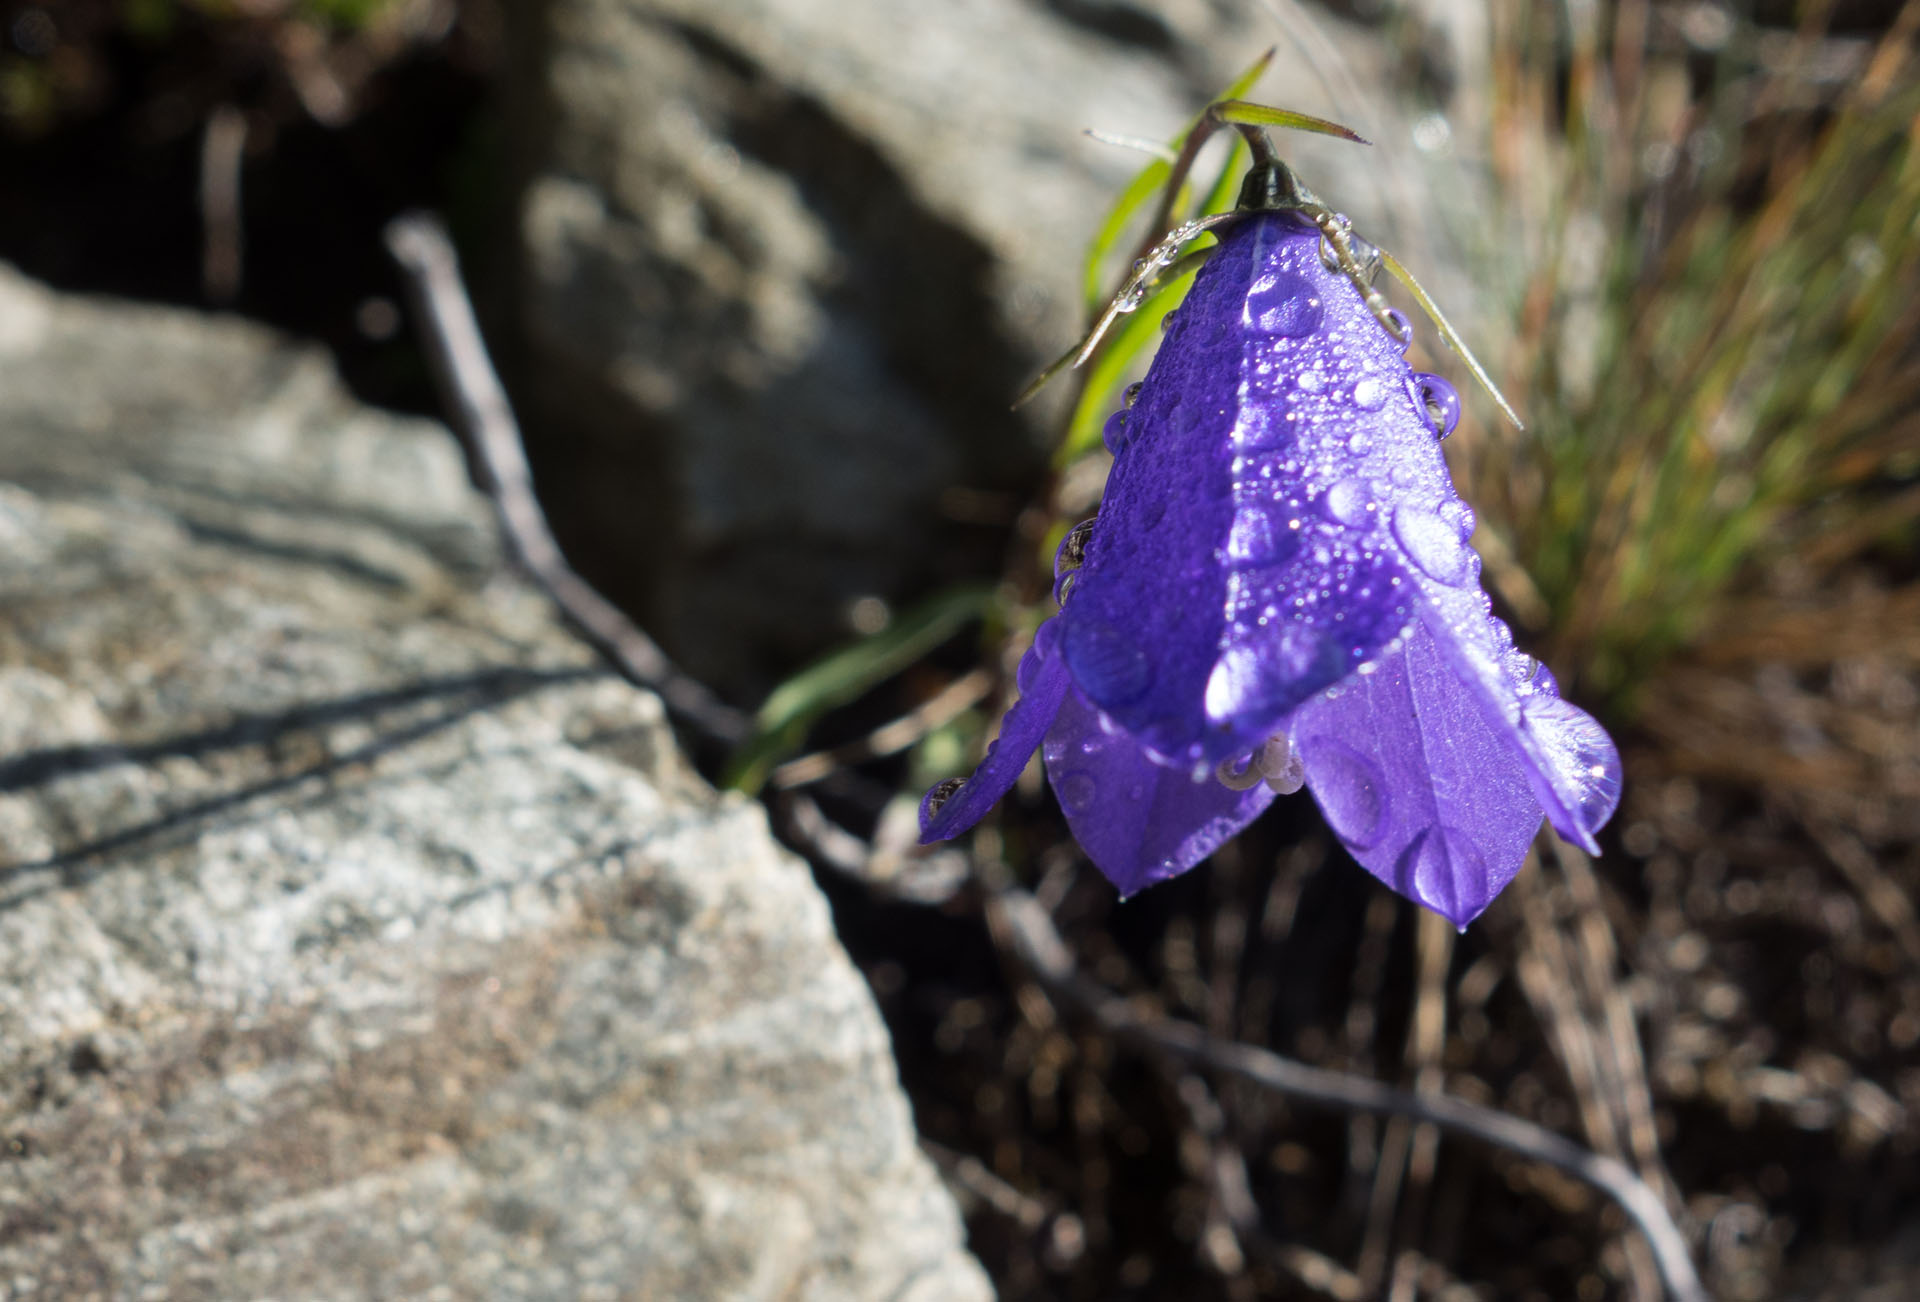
(359, 937)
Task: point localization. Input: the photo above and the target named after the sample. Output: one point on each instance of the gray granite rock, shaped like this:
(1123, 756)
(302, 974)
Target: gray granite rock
(784, 263)
(359, 938)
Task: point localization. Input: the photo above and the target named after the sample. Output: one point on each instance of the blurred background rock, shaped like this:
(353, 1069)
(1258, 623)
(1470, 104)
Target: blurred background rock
(763, 275)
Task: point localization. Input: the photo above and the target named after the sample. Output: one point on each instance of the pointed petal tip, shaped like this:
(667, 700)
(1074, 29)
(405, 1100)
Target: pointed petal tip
(932, 826)
(1583, 837)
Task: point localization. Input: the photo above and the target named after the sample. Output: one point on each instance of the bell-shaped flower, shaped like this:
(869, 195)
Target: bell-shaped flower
(1278, 587)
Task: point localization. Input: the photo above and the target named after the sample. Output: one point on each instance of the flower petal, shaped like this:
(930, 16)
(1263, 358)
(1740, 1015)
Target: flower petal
(1419, 786)
(1367, 451)
(1042, 679)
(1571, 763)
(1139, 821)
(1227, 580)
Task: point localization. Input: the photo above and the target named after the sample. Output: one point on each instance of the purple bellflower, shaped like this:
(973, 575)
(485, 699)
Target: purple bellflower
(1277, 591)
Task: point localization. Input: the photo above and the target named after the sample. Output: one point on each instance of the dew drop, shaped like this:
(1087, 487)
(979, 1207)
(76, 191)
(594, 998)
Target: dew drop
(1077, 791)
(1521, 669)
(1349, 501)
(1073, 548)
(1360, 444)
(1186, 418)
(1025, 671)
(1258, 537)
(1401, 328)
(1350, 789)
(1433, 545)
(1132, 394)
(1312, 381)
(1264, 678)
(1458, 514)
(1262, 427)
(1583, 761)
(941, 793)
(1107, 664)
(1449, 873)
(1436, 400)
(1168, 740)
(1289, 307)
(1369, 394)
(1114, 432)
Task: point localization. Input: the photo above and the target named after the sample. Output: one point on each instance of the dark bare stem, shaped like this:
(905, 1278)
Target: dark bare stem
(223, 146)
(1189, 151)
(485, 418)
(1042, 948)
(1259, 144)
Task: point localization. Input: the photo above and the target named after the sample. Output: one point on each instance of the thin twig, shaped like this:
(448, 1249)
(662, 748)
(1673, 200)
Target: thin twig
(223, 146)
(484, 417)
(1041, 946)
(970, 1174)
(951, 701)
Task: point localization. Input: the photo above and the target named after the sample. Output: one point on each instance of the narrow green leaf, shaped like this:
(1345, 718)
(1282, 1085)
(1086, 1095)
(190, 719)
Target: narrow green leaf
(790, 709)
(1262, 115)
(1145, 184)
(1451, 336)
(1141, 190)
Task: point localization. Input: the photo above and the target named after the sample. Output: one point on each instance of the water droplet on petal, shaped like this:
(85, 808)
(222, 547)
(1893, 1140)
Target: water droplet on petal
(1290, 307)
(1312, 381)
(1023, 673)
(1114, 432)
(1349, 501)
(1436, 400)
(1369, 394)
(1585, 762)
(1263, 427)
(1449, 873)
(1458, 514)
(1402, 329)
(1107, 664)
(1350, 790)
(1360, 444)
(1258, 537)
(1077, 791)
(941, 793)
(1287, 665)
(1433, 545)
(1073, 548)
(1132, 394)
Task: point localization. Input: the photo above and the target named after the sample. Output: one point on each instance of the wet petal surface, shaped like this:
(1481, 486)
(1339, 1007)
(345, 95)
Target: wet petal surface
(1420, 788)
(1140, 822)
(1571, 764)
(1042, 680)
(1242, 561)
